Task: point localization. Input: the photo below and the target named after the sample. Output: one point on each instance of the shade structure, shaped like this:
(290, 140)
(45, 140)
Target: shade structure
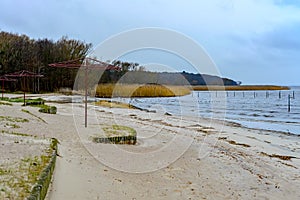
(23, 74)
(5, 79)
(85, 63)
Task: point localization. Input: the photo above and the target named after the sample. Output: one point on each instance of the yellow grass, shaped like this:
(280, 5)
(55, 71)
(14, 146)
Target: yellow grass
(240, 87)
(111, 90)
(112, 104)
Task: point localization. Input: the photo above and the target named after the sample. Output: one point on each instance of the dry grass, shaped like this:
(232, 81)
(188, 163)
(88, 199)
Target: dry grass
(239, 87)
(112, 104)
(281, 157)
(240, 144)
(111, 90)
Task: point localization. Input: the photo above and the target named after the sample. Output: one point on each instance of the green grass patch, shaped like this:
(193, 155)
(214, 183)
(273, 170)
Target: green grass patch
(18, 179)
(12, 125)
(5, 103)
(47, 109)
(5, 99)
(117, 134)
(30, 177)
(13, 119)
(118, 130)
(39, 102)
(16, 133)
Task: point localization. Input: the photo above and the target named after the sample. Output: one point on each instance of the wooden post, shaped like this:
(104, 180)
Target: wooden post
(243, 94)
(293, 94)
(279, 94)
(85, 105)
(289, 103)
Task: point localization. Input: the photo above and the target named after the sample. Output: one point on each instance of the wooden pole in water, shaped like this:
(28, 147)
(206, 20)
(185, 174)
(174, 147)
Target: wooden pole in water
(279, 94)
(293, 94)
(289, 103)
(243, 94)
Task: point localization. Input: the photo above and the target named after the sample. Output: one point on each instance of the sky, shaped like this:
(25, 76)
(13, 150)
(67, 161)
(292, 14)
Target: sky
(253, 41)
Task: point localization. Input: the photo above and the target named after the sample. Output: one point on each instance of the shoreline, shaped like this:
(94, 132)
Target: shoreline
(227, 121)
(69, 98)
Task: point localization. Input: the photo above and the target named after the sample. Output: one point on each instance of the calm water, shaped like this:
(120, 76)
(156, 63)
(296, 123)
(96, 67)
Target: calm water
(254, 109)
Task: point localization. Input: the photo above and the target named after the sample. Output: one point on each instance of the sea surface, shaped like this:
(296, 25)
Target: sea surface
(254, 109)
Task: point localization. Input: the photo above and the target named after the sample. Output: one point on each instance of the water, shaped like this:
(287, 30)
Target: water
(253, 109)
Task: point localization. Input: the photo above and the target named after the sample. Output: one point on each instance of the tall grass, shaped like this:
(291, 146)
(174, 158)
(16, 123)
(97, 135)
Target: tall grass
(148, 90)
(240, 87)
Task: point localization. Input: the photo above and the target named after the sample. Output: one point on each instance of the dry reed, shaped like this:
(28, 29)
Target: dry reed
(148, 90)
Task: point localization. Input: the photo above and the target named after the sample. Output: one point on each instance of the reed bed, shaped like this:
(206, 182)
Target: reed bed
(239, 87)
(112, 104)
(148, 90)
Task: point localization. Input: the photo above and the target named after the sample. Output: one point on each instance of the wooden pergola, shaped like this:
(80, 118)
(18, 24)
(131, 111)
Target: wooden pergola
(85, 63)
(23, 74)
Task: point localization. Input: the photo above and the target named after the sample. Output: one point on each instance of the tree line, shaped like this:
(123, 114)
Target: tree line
(19, 52)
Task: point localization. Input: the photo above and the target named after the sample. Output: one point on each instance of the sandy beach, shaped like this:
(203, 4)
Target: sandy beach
(174, 158)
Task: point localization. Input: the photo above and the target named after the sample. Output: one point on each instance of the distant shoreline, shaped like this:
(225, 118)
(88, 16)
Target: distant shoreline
(239, 87)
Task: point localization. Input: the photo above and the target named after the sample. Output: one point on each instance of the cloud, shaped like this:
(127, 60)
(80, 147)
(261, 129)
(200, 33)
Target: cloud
(285, 38)
(92, 19)
(235, 33)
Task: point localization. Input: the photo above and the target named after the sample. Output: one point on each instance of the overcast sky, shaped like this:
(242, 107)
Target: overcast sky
(254, 41)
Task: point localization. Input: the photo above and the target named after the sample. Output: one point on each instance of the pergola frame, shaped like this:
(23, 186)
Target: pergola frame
(87, 63)
(23, 74)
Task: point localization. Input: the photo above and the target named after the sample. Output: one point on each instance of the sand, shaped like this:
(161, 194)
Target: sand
(175, 158)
